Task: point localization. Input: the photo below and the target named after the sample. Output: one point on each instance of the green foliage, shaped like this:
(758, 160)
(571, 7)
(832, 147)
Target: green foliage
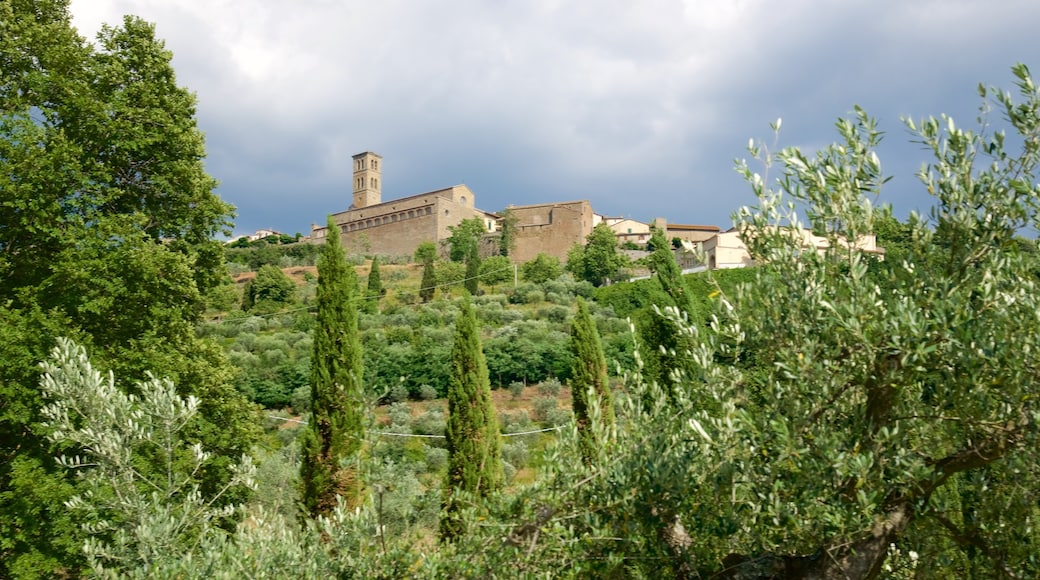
(576, 261)
(334, 436)
(496, 270)
(516, 389)
(472, 279)
(591, 398)
(107, 221)
(600, 262)
(133, 516)
(507, 240)
(528, 351)
(375, 289)
(450, 273)
(426, 253)
(541, 268)
(270, 291)
(474, 449)
(465, 239)
(260, 253)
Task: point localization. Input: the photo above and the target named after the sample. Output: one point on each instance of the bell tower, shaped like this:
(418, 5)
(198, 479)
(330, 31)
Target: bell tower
(367, 175)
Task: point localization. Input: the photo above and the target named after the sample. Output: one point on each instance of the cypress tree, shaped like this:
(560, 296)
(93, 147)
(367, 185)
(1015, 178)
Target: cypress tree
(662, 263)
(588, 379)
(472, 283)
(375, 289)
(335, 429)
(659, 333)
(474, 449)
(427, 253)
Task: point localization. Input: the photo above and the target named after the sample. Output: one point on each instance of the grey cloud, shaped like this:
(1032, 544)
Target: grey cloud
(640, 107)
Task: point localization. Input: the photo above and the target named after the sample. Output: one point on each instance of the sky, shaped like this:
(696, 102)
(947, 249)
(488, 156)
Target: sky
(639, 107)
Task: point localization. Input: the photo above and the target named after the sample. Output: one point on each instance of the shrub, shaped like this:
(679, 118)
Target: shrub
(401, 415)
(436, 459)
(550, 387)
(516, 389)
(542, 407)
(516, 453)
(300, 400)
(397, 393)
(431, 422)
(428, 393)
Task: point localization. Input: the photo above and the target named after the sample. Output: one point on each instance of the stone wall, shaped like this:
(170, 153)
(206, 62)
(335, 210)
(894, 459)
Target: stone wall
(396, 228)
(551, 228)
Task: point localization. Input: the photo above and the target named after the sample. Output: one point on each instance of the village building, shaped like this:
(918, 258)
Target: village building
(396, 228)
(550, 228)
(728, 250)
(629, 230)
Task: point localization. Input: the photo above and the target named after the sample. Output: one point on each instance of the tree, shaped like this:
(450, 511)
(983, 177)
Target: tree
(107, 226)
(375, 288)
(541, 268)
(576, 261)
(496, 270)
(663, 340)
(507, 240)
(876, 420)
(269, 291)
(335, 431)
(133, 517)
(465, 239)
(589, 387)
(474, 449)
(426, 253)
(599, 261)
(472, 280)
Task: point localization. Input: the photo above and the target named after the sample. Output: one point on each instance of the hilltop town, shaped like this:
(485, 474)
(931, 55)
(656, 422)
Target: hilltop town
(397, 227)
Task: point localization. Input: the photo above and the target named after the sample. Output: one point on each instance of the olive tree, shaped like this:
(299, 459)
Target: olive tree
(841, 420)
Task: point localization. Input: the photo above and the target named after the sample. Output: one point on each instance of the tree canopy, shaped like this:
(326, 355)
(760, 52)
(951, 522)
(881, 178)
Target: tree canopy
(107, 227)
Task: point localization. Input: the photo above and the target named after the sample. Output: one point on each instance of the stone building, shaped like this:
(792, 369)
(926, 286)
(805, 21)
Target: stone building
(397, 227)
(551, 228)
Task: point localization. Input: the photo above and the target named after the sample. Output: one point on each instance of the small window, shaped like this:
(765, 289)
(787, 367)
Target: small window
(375, 164)
(463, 198)
(393, 218)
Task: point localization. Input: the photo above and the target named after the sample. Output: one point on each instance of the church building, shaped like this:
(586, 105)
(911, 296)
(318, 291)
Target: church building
(396, 228)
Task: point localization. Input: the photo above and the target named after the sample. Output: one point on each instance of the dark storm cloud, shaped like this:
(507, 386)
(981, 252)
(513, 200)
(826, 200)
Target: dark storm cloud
(639, 107)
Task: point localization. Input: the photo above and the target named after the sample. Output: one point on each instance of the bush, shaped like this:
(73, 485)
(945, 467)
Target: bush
(428, 393)
(541, 269)
(397, 393)
(516, 389)
(542, 407)
(431, 422)
(550, 388)
(556, 417)
(516, 453)
(401, 415)
(436, 459)
(300, 400)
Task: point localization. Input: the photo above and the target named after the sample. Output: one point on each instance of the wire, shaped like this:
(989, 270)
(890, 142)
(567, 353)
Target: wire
(357, 300)
(388, 433)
